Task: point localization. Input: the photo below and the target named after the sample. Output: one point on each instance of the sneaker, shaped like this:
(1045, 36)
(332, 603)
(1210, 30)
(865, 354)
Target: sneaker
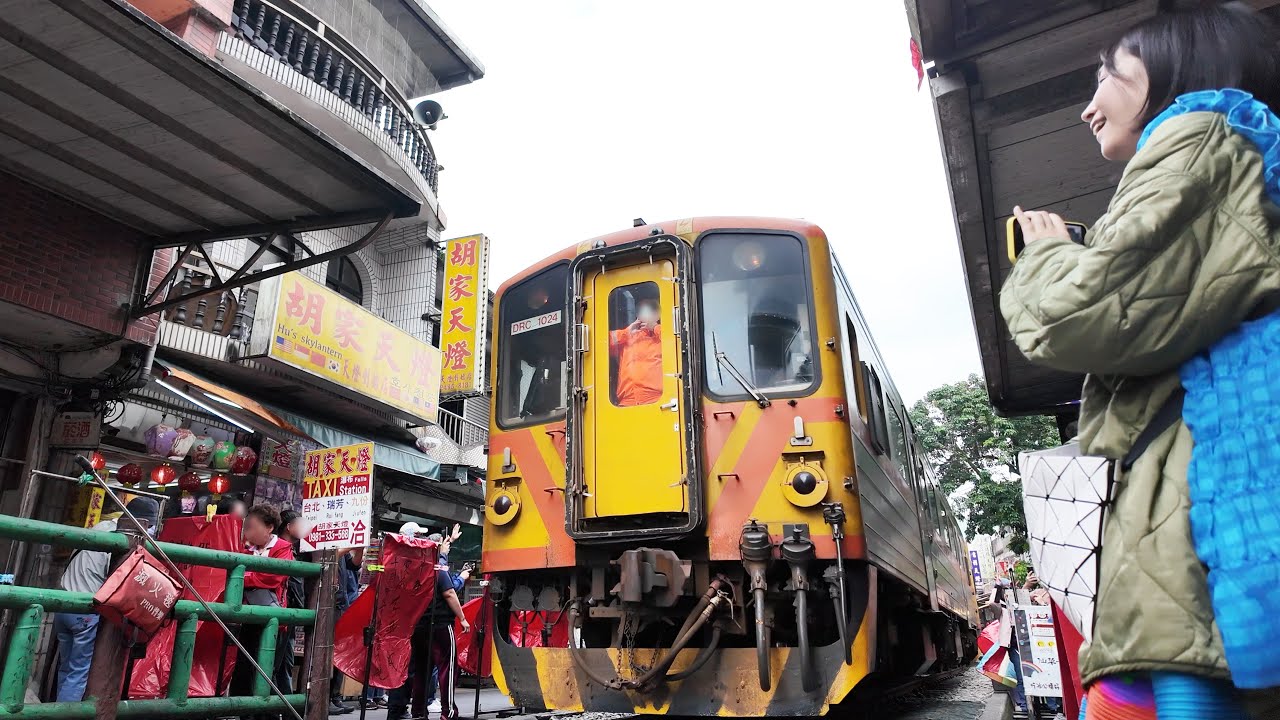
(336, 707)
(382, 702)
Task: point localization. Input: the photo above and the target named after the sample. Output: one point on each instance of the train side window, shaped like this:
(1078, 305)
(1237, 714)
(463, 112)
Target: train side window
(875, 407)
(898, 441)
(859, 382)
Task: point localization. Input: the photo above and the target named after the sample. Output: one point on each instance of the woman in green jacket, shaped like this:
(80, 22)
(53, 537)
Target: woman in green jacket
(1187, 251)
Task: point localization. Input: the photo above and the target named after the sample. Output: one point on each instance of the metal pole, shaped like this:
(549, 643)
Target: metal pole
(369, 633)
(319, 659)
(477, 649)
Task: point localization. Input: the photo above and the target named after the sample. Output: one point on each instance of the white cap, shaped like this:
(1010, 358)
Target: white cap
(412, 529)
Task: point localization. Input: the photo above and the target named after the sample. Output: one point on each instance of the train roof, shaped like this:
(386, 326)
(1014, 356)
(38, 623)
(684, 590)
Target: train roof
(1009, 81)
(684, 227)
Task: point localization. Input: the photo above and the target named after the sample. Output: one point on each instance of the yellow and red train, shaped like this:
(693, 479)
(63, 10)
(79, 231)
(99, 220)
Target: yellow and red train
(758, 532)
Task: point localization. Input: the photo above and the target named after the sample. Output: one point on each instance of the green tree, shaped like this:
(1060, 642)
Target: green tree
(968, 443)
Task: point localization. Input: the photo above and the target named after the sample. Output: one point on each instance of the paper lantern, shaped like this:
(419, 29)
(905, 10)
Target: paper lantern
(219, 484)
(98, 462)
(243, 461)
(162, 475)
(222, 453)
(159, 439)
(201, 451)
(183, 440)
(129, 475)
(189, 482)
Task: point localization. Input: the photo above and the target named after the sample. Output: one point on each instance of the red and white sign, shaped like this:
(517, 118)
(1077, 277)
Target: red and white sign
(535, 323)
(337, 497)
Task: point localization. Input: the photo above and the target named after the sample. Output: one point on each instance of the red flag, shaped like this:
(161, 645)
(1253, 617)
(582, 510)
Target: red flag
(401, 592)
(917, 61)
(151, 674)
(473, 658)
(1069, 642)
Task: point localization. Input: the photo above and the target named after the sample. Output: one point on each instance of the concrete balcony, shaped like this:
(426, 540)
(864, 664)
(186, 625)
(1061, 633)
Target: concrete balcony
(354, 87)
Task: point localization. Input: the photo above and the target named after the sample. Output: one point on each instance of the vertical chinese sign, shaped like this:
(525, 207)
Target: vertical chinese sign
(465, 318)
(337, 497)
(975, 564)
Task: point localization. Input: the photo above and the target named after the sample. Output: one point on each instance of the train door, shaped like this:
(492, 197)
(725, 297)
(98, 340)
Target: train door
(630, 425)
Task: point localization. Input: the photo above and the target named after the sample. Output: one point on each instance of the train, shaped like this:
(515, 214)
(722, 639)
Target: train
(704, 482)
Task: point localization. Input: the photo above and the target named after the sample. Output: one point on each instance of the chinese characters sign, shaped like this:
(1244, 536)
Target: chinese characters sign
(337, 497)
(465, 317)
(975, 564)
(309, 328)
(76, 430)
(1038, 648)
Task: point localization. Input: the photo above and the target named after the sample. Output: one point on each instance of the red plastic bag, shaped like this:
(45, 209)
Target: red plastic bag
(989, 637)
(138, 595)
(151, 674)
(526, 628)
(402, 592)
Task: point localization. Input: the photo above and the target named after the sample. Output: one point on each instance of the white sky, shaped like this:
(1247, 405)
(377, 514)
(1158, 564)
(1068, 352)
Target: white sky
(594, 113)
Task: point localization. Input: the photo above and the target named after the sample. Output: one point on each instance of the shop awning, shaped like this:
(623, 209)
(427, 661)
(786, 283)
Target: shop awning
(278, 424)
(386, 453)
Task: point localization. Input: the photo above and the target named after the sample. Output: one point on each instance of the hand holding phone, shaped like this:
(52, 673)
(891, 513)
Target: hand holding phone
(1013, 234)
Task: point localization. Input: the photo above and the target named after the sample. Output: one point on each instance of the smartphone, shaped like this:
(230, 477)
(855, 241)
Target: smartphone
(1013, 232)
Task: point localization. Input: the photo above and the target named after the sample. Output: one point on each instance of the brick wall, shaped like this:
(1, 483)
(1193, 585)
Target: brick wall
(65, 260)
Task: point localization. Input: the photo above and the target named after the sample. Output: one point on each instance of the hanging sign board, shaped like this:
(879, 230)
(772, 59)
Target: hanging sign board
(76, 430)
(1038, 650)
(465, 319)
(337, 497)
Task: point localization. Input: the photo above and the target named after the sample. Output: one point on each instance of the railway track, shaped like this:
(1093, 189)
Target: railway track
(953, 695)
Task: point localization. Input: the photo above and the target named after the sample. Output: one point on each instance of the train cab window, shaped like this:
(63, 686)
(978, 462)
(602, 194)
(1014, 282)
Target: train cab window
(635, 345)
(531, 350)
(757, 315)
(878, 424)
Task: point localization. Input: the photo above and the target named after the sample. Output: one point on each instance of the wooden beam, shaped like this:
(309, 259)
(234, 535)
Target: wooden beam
(1049, 169)
(1072, 89)
(1050, 53)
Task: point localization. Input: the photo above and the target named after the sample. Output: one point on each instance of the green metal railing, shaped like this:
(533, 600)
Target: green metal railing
(32, 603)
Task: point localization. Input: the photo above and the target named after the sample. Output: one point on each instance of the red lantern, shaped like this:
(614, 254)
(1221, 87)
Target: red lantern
(219, 484)
(189, 482)
(129, 475)
(243, 461)
(162, 475)
(97, 461)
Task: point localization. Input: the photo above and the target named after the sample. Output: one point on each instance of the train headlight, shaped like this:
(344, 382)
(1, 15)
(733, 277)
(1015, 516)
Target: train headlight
(503, 507)
(805, 486)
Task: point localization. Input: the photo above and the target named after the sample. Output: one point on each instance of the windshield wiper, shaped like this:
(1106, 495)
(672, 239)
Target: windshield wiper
(722, 361)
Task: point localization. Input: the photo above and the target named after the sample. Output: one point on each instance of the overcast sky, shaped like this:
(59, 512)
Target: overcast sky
(594, 113)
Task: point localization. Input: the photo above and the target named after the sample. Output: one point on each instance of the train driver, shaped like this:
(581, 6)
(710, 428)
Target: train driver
(638, 351)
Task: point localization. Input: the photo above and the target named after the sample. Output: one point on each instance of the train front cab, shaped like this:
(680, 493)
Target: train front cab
(661, 494)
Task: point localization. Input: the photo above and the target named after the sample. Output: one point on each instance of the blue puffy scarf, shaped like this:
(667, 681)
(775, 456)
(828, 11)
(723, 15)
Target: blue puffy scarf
(1232, 408)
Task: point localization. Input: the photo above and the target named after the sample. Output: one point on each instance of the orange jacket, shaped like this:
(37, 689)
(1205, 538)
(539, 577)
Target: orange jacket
(639, 356)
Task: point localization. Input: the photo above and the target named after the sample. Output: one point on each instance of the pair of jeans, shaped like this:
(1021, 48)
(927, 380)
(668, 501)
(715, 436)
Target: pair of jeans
(285, 661)
(76, 635)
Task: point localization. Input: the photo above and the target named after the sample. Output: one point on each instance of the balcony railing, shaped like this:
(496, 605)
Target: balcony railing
(304, 47)
(461, 430)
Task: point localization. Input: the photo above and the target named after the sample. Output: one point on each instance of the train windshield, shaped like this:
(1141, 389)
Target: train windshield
(531, 355)
(756, 311)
